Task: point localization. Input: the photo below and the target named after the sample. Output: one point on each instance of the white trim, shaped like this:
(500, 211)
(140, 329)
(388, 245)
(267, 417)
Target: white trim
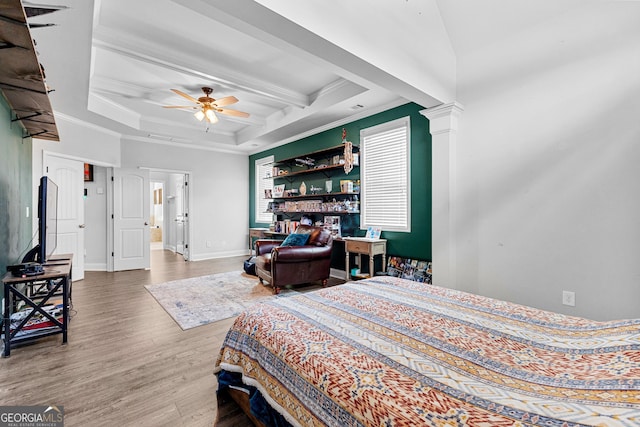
(360, 115)
(97, 266)
(180, 171)
(70, 157)
(86, 124)
(338, 274)
(182, 145)
(444, 121)
(259, 215)
(403, 124)
(216, 255)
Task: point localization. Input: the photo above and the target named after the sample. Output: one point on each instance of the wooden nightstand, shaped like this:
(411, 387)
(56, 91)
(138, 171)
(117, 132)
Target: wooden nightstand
(362, 245)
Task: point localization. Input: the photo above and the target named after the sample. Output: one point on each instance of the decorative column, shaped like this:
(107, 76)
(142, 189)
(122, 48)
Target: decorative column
(443, 126)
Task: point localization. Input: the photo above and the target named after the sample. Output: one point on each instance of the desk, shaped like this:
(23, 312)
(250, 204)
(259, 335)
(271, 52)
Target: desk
(256, 233)
(362, 245)
(35, 292)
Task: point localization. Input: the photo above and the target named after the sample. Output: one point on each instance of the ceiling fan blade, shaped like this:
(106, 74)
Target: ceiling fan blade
(184, 95)
(192, 107)
(227, 100)
(234, 113)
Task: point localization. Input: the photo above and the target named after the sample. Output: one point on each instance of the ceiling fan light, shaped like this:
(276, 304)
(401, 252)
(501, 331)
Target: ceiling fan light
(199, 115)
(211, 117)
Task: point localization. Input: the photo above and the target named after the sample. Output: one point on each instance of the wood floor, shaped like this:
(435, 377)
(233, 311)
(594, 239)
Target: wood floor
(127, 362)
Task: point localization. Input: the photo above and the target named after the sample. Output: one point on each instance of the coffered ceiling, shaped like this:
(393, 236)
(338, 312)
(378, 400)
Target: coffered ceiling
(114, 67)
(112, 63)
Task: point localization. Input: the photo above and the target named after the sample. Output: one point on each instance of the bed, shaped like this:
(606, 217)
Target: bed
(389, 352)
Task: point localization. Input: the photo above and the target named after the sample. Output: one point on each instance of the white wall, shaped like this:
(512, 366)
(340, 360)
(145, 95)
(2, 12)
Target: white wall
(219, 213)
(405, 39)
(95, 219)
(220, 185)
(548, 155)
(89, 144)
(80, 141)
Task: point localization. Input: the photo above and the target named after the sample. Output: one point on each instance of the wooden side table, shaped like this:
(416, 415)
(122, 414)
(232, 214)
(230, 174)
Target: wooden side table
(362, 245)
(256, 233)
(36, 292)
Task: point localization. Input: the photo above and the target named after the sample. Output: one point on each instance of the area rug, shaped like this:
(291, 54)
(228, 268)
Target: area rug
(201, 300)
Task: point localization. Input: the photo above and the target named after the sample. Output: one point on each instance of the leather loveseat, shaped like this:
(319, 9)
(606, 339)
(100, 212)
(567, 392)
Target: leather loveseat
(282, 266)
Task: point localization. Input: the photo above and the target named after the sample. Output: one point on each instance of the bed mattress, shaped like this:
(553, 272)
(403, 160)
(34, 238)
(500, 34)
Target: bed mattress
(392, 352)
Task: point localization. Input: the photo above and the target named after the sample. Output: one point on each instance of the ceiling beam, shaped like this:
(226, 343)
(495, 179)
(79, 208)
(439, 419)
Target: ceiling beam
(215, 73)
(261, 22)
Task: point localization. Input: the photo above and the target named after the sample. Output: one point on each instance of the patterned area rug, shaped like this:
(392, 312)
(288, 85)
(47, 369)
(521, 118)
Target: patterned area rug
(201, 300)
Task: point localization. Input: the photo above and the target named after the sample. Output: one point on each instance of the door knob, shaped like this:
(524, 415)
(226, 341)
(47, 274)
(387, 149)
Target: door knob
(81, 226)
(146, 223)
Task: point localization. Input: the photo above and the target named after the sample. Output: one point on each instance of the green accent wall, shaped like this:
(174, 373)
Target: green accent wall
(417, 243)
(15, 190)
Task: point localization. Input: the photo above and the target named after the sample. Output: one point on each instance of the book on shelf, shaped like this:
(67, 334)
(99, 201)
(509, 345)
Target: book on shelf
(286, 226)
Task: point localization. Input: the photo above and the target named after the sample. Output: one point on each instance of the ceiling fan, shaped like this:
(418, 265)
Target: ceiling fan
(208, 107)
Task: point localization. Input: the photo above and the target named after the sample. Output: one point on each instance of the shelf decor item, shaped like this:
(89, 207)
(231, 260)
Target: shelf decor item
(348, 153)
(278, 190)
(373, 232)
(328, 185)
(303, 189)
(346, 186)
(332, 223)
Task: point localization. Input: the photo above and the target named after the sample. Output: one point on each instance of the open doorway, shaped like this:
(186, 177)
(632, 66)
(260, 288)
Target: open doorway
(156, 221)
(170, 194)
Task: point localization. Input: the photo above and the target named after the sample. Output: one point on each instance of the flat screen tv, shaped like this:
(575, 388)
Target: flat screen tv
(47, 222)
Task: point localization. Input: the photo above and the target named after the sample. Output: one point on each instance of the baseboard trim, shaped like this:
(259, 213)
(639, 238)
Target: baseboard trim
(97, 266)
(338, 274)
(215, 255)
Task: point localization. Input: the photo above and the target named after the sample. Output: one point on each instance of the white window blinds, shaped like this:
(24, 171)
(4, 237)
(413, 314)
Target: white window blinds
(385, 176)
(262, 170)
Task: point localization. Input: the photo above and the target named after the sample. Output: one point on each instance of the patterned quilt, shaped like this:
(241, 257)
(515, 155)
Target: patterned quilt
(391, 352)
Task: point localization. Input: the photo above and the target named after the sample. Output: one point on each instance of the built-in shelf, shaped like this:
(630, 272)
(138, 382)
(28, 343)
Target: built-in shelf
(322, 169)
(323, 153)
(21, 75)
(335, 208)
(341, 211)
(315, 196)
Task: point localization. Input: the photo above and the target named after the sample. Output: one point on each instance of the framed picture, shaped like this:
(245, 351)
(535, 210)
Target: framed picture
(278, 190)
(373, 232)
(268, 194)
(88, 172)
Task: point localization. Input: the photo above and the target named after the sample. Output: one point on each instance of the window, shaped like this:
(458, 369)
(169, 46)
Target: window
(263, 170)
(385, 186)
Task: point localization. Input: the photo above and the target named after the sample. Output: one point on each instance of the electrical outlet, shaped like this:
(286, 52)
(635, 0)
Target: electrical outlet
(209, 244)
(569, 298)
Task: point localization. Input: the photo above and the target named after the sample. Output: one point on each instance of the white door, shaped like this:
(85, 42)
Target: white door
(68, 175)
(179, 219)
(131, 209)
(185, 218)
(181, 213)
